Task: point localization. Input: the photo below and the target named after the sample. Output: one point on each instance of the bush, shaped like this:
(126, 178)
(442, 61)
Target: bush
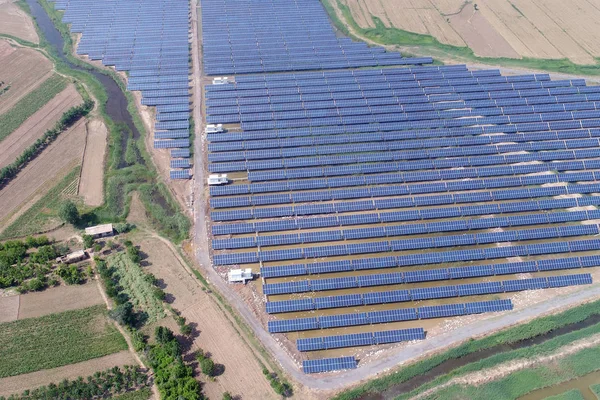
(227, 396)
(88, 241)
(134, 254)
(208, 367)
(68, 212)
(138, 340)
(70, 274)
(123, 314)
(123, 227)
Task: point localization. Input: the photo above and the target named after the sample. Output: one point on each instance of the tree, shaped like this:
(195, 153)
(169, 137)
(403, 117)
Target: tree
(163, 335)
(208, 367)
(123, 314)
(227, 396)
(88, 241)
(68, 212)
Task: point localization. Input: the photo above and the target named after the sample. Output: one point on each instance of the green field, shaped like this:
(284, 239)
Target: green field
(28, 105)
(57, 339)
(574, 394)
(524, 381)
(43, 214)
(142, 394)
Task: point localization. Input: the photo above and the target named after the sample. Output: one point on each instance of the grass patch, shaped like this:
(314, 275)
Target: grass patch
(142, 394)
(596, 389)
(58, 339)
(529, 330)
(139, 290)
(392, 36)
(574, 394)
(524, 381)
(44, 213)
(28, 105)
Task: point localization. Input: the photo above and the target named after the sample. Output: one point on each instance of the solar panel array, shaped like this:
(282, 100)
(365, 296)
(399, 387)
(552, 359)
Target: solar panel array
(343, 171)
(242, 36)
(150, 41)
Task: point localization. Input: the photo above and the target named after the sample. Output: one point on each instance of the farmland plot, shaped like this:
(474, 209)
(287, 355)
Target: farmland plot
(22, 69)
(15, 22)
(58, 339)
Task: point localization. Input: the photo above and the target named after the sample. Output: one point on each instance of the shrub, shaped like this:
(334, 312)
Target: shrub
(208, 367)
(123, 314)
(88, 241)
(227, 396)
(68, 212)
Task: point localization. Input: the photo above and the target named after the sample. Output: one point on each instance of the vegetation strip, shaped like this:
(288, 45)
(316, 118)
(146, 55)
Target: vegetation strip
(28, 105)
(55, 340)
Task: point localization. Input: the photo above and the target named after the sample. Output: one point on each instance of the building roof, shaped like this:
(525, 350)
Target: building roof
(76, 254)
(99, 229)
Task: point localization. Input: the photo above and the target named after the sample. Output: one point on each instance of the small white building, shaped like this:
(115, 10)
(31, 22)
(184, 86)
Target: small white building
(220, 80)
(240, 275)
(220, 179)
(213, 128)
(100, 231)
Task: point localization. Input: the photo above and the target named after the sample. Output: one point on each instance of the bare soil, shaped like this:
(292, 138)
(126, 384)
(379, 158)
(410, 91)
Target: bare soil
(91, 182)
(15, 22)
(22, 68)
(9, 308)
(58, 299)
(35, 126)
(38, 176)
(17, 384)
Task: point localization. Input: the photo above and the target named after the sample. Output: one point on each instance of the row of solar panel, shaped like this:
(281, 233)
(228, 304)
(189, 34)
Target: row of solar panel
(360, 339)
(365, 205)
(400, 121)
(414, 258)
(374, 218)
(378, 317)
(419, 188)
(412, 96)
(398, 151)
(300, 167)
(403, 75)
(439, 175)
(407, 229)
(316, 65)
(383, 113)
(361, 281)
(405, 244)
(328, 364)
(426, 293)
(289, 56)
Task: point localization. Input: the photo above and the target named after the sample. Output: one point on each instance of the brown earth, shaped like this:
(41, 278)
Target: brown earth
(15, 22)
(50, 301)
(59, 299)
(215, 333)
(19, 383)
(92, 171)
(35, 126)
(39, 175)
(23, 69)
(546, 29)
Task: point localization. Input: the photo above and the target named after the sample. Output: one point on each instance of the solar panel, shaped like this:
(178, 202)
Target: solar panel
(328, 364)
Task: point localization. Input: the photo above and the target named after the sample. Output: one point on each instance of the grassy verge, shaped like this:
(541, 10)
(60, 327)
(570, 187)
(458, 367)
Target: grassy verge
(548, 347)
(28, 105)
(43, 214)
(57, 339)
(574, 394)
(596, 390)
(393, 36)
(529, 330)
(524, 381)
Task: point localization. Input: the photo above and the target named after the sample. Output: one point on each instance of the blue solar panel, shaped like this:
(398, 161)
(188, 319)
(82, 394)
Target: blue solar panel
(328, 364)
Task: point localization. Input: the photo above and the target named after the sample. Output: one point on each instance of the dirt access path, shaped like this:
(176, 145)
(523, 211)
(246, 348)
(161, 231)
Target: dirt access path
(91, 182)
(502, 370)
